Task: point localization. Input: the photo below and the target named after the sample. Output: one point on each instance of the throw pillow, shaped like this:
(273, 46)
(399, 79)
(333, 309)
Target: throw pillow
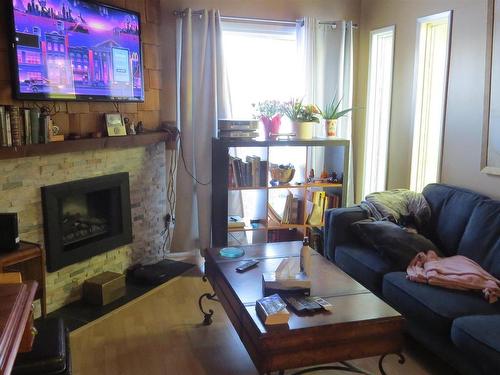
(392, 241)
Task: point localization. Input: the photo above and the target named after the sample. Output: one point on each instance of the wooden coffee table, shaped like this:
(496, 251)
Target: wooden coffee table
(361, 325)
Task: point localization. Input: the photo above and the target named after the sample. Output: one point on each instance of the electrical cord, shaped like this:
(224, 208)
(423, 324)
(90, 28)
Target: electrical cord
(171, 193)
(187, 169)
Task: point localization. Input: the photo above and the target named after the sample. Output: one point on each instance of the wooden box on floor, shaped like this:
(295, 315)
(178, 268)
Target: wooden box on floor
(104, 288)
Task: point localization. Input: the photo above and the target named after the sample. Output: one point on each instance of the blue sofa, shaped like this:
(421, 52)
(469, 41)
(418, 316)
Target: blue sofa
(460, 327)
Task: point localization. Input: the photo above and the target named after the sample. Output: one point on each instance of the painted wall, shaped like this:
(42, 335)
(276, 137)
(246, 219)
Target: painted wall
(464, 121)
(269, 9)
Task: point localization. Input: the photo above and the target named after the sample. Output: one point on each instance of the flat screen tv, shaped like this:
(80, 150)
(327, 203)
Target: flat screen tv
(75, 50)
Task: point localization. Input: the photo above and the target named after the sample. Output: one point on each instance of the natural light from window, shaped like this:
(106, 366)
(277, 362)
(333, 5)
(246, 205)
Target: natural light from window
(378, 113)
(261, 62)
(430, 98)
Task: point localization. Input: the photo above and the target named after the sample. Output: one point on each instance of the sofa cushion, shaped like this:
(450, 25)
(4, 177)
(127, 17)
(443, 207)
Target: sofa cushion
(364, 264)
(391, 241)
(481, 239)
(451, 209)
(478, 337)
(435, 306)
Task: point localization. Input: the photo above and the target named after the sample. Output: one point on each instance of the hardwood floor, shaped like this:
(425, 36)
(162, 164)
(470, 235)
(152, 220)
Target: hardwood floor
(160, 334)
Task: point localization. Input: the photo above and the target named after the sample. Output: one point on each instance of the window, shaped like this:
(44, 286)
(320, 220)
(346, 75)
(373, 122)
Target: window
(261, 61)
(431, 72)
(378, 112)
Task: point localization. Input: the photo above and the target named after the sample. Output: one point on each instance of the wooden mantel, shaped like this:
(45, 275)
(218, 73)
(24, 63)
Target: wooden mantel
(87, 144)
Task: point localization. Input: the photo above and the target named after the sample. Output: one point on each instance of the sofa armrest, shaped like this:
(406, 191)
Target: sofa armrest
(337, 227)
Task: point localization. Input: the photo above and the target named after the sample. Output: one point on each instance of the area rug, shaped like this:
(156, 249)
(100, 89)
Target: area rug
(79, 313)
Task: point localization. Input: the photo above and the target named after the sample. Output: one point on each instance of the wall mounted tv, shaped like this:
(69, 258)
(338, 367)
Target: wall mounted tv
(75, 50)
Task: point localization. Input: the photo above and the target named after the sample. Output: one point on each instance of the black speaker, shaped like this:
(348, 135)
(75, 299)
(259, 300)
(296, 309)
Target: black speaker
(9, 234)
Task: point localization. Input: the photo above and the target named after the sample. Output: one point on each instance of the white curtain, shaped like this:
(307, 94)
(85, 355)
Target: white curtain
(326, 54)
(201, 99)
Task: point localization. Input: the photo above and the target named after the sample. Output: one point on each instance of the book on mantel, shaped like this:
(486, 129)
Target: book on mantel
(272, 310)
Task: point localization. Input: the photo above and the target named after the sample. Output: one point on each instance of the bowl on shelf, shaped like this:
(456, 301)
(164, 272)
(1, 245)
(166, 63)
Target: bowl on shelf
(281, 174)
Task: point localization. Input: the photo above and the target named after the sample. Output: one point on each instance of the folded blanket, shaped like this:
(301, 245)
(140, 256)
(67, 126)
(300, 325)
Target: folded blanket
(456, 272)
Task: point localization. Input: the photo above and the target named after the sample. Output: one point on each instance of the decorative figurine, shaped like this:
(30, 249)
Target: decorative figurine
(334, 178)
(139, 128)
(311, 175)
(324, 175)
(130, 126)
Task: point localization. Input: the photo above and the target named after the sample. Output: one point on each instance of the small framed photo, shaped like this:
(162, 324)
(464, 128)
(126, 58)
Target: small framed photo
(114, 125)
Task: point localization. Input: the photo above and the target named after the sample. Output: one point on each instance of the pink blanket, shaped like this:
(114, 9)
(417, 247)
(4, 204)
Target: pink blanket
(456, 272)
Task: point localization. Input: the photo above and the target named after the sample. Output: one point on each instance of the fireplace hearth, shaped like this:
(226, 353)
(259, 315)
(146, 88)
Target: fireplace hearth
(85, 218)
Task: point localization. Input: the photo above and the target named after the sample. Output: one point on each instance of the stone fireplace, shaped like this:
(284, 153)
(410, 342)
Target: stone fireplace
(21, 181)
(84, 218)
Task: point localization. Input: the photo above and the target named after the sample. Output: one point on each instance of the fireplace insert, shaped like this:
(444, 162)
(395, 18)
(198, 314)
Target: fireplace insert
(86, 217)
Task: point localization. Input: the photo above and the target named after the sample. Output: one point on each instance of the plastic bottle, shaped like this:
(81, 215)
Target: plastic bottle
(305, 257)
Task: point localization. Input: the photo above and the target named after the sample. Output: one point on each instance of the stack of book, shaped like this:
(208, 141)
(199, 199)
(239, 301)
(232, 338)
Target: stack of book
(249, 173)
(284, 210)
(238, 129)
(23, 126)
(317, 202)
(234, 221)
(272, 310)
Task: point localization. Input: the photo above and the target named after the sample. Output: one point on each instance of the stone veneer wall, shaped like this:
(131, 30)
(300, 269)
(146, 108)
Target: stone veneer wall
(20, 183)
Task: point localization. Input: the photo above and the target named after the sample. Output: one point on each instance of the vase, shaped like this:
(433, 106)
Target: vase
(303, 129)
(330, 127)
(271, 126)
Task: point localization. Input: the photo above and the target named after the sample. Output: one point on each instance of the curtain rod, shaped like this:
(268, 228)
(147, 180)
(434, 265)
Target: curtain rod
(181, 13)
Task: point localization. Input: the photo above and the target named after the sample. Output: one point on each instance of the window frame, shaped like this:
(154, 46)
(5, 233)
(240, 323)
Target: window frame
(421, 22)
(371, 66)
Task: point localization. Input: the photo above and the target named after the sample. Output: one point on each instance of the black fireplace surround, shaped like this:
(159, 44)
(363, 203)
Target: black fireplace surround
(85, 218)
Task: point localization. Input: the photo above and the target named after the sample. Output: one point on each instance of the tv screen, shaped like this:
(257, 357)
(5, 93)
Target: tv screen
(76, 50)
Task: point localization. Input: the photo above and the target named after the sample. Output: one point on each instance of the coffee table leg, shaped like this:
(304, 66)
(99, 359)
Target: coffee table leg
(381, 365)
(207, 316)
(342, 366)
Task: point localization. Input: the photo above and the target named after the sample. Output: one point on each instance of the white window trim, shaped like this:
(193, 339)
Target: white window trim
(421, 21)
(368, 136)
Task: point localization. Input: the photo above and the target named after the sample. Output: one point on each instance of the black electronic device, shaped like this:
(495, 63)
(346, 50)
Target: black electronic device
(75, 50)
(247, 265)
(9, 233)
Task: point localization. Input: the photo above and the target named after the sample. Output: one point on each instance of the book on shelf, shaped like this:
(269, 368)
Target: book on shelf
(318, 202)
(238, 134)
(26, 119)
(8, 127)
(284, 209)
(21, 126)
(15, 125)
(246, 173)
(272, 310)
(3, 127)
(234, 221)
(238, 125)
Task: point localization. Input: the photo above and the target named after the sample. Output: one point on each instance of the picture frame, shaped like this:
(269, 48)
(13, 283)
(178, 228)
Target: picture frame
(115, 126)
(490, 151)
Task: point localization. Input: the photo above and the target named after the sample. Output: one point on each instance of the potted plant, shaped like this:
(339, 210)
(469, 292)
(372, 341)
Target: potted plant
(303, 117)
(331, 114)
(269, 112)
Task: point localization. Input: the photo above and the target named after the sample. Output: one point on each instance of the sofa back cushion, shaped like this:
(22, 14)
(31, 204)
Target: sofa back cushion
(481, 239)
(451, 210)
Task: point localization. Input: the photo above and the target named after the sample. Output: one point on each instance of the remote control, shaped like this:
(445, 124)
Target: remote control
(323, 303)
(246, 266)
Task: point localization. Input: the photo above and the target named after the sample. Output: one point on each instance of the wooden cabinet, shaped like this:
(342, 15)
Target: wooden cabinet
(29, 260)
(242, 186)
(16, 319)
